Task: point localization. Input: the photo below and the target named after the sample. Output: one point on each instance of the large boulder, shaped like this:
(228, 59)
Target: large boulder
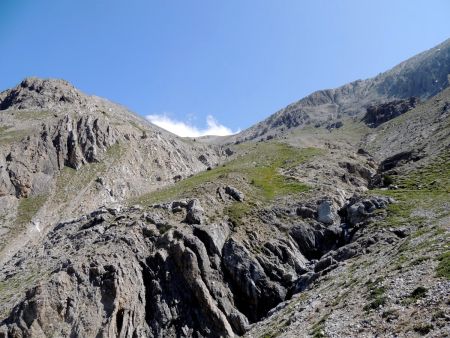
(195, 212)
(326, 213)
(282, 261)
(213, 236)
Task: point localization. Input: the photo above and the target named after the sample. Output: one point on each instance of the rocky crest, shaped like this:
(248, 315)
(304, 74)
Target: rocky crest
(38, 93)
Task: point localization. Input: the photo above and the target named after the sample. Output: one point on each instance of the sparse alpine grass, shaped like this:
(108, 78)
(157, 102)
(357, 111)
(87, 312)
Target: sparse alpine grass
(443, 268)
(260, 165)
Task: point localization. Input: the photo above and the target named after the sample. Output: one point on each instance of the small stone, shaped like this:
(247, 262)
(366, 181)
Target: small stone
(236, 194)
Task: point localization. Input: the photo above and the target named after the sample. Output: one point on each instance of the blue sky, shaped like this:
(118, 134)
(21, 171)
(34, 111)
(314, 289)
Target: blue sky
(207, 63)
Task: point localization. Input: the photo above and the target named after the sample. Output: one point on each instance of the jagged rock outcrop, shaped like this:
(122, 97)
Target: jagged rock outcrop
(82, 141)
(132, 271)
(359, 210)
(378, 114)
(37, 160)
(316, 239)
(399, 159)
(256, 292)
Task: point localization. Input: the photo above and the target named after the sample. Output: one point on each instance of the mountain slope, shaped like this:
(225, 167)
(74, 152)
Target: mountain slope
(322, 232)
(65, 153)
(421, 76)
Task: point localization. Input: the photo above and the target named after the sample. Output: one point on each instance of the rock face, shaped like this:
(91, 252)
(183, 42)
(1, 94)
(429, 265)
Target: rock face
(70, 143)
(248, 278)
(49, 128)
(378, 114)
(315, 239)
(213, 236)
(156, 285)
(122, 272)
(398, 159)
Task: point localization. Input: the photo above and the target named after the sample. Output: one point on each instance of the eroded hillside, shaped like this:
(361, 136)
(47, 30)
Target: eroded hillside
(65, 153)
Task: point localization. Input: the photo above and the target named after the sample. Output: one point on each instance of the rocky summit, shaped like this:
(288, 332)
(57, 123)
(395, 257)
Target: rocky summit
(331, 218)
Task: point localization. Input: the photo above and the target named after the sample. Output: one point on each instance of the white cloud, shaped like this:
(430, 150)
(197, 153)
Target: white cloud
(184, 129)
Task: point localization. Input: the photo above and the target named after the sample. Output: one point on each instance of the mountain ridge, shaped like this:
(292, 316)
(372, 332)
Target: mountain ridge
(430, 77)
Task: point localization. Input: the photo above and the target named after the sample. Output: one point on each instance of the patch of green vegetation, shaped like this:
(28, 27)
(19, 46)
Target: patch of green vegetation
(408, 247)
(420, 232)
(268, 335)
(265, 175)
(338, 299)
(10, 136)
(377, 292)
(387, 180)
(375, 304)
(114, 152)
(402, 258)
(15, 286)
(390, 314)
(433, 177)
(419, 292)
(164, 228)
(237, 211)
(260, 164)
(426, 189)
(376, 295)
(439, 314)
(443, 268)
(419, 260)
(31, 114)
(28, 207)
(423, 328)
(401, 213)
(71, 181)
(275, 329)
(318, 329)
